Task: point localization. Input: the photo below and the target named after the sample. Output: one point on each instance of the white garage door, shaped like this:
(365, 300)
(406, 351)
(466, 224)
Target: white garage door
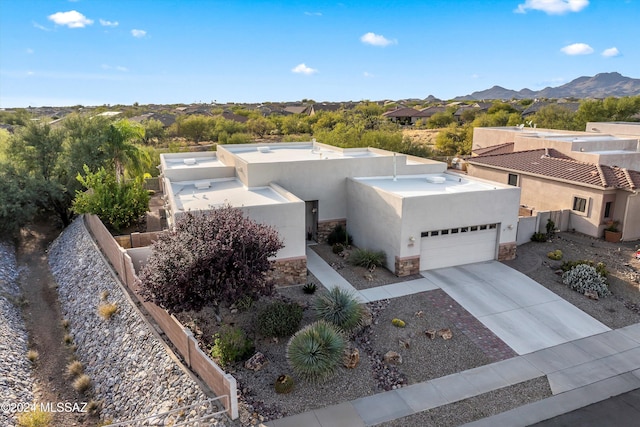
(457, 246)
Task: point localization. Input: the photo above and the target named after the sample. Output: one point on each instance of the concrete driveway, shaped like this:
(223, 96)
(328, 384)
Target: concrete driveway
(524, 314)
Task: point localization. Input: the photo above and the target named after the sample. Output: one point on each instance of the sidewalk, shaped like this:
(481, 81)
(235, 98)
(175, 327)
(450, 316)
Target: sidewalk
(580, 372)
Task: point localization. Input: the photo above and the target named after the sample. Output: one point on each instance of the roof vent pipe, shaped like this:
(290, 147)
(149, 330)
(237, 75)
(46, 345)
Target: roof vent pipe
(394, 167)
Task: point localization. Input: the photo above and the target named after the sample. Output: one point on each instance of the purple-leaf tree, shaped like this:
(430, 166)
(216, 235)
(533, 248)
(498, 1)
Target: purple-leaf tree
(211, 257)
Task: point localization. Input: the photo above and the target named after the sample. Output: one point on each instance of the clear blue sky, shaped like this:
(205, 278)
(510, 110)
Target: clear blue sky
(96, 52)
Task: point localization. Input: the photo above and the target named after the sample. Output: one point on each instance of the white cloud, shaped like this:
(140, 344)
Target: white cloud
(611, 52)
(138, 33)
(40, 27)
(376, 40)
(368, 74)
(475, 76)
(303, 69)
(106, 23)
(29, 51)
(577, 49)
(71, 19)
(313, 13)
(117, 67)
(553, 7)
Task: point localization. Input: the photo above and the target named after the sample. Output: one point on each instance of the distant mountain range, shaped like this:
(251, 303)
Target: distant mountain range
(599, 86)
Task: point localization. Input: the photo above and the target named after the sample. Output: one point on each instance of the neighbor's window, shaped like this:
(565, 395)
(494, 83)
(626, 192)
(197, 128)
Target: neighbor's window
(579, 204)
(513, 179)
(607, 209)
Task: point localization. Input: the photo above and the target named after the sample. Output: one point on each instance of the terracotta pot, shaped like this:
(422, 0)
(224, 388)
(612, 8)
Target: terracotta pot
(612, 236)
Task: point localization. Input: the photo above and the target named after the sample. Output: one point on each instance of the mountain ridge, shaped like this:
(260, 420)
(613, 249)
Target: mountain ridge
(602, 85)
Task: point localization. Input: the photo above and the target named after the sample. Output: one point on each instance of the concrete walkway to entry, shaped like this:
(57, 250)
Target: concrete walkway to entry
(521, 312)
(584, 364)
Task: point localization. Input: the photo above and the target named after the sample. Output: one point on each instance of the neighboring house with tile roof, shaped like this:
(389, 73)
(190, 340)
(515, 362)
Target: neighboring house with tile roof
(405, 115)
(593, 178)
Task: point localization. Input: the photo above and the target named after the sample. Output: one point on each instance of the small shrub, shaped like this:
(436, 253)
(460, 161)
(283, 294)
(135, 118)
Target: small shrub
(398, 323)
(75, 369)
(65, 323)
(551, 228)
(33, 356)
(284, 384)
(107, 310)
(337, 248)
(555, 255)
(35, 418)
(82, 383)
(244, 303)
(68, 339)
(583, 278)
(104, 295)
(309, 288)
(339, 235)
(600, 267)
(539, 237)
(366, 258)
(340, 308)
(93, 407)
(279, 319)
(230, 345)
(315, 352)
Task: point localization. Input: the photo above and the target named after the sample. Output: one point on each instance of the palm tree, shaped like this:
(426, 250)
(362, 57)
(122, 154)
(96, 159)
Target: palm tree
(120, 148)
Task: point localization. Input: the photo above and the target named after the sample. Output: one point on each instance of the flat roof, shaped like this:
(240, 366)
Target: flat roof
(427, 184)
(191, 162)
(294, 153)
(195, 195)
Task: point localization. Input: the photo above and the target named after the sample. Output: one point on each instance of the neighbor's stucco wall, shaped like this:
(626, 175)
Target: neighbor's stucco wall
(543, 194)
(631, 219)
(375, 219)
(615, 128)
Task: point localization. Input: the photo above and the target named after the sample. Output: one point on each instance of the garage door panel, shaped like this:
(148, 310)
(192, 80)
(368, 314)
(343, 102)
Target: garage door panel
(457, 249)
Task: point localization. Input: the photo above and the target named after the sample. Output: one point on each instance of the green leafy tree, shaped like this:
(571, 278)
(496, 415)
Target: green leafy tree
(194, 128)
(118, 204)
(454, 140)
(18, 199)
(439, 120)
(554, 116)
(260, 126)
(154, 132)
(35, 151)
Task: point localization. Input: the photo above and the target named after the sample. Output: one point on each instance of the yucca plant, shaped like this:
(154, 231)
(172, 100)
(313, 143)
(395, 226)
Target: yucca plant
(340, 308)
(315, 352)
(368, 259)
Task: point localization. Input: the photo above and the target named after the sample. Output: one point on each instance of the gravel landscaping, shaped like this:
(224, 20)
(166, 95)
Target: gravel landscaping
(16, 384)
(616, 311)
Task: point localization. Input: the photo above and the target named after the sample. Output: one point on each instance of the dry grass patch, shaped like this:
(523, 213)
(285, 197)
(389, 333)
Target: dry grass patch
(65, 323)
(75, 368)
(68, 339)
(107, 310)
(33, 356)
(82, 383)
(35, 418)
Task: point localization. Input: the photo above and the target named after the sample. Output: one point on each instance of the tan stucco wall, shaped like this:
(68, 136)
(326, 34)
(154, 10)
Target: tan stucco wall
(543, 194)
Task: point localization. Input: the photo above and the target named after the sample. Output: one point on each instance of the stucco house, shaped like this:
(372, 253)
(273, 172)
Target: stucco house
(420, 215)
(593, 177)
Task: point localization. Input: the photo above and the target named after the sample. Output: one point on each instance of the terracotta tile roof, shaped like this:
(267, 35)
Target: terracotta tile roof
(553, 164)
(505, 148)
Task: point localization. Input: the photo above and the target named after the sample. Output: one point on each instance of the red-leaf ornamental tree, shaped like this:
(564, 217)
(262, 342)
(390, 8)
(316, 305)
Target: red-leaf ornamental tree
(210, 258)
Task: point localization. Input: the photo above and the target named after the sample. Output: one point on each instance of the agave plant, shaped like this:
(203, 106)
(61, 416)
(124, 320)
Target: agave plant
(315, 352)
(339, 307)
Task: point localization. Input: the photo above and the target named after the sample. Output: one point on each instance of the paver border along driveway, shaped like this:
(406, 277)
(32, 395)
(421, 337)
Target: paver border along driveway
(524, 314)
